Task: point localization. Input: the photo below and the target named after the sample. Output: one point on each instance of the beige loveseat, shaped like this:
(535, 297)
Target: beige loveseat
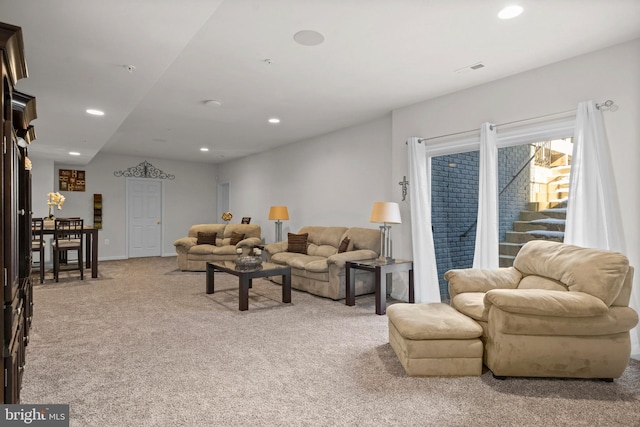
(193, 256)
(321, 270)
(560, 311)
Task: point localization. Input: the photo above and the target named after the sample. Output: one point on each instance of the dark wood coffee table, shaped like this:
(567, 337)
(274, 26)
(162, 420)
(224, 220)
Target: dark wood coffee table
(246, 277)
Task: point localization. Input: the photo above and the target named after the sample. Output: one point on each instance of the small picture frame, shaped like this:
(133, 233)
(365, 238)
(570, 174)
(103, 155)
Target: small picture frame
(246, 220)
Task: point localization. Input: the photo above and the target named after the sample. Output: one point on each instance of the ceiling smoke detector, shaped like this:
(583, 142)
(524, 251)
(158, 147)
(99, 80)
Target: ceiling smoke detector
(212, 103)
(130, 68)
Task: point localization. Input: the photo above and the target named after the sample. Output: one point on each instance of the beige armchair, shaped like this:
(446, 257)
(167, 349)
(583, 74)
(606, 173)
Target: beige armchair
(560, 311)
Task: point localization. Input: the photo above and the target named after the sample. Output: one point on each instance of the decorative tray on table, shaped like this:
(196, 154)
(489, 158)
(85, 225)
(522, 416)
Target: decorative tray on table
(248, 263)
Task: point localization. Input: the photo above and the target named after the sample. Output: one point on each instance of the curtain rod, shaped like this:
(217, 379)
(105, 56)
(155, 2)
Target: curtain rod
(608, 103)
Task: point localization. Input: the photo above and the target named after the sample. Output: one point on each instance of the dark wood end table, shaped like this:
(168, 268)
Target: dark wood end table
(382, 272)
(246, 277)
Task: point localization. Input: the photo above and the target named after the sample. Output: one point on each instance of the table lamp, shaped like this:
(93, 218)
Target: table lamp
(385, 213)
(278, 213)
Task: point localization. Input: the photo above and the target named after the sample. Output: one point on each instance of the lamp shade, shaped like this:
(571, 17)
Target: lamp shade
(278, 212)
(386, 212)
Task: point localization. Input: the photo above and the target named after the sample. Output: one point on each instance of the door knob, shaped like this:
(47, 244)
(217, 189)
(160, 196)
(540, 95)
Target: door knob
(158, 222)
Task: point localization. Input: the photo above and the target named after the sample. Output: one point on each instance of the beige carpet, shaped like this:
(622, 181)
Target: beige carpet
(143, 345)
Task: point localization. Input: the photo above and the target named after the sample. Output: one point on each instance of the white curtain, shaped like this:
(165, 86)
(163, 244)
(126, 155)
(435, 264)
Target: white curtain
(593, 213)
(425, 272)
(486, 255)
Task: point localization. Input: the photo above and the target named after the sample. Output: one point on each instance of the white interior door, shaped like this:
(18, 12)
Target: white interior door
(144, 215)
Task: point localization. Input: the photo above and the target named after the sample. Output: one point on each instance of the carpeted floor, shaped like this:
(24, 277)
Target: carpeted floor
(143, 345)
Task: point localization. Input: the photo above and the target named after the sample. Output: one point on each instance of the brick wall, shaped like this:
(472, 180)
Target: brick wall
(454, 209)
(515, 197)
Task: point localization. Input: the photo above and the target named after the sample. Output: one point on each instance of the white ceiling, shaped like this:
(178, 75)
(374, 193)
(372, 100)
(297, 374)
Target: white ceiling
(378, 55)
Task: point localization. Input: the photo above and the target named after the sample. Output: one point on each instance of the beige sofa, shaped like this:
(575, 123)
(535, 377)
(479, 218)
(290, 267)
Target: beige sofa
(194, 257)
(560, 311)
(321, 270)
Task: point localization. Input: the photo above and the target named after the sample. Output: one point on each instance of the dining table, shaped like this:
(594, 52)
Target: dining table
(91, 244)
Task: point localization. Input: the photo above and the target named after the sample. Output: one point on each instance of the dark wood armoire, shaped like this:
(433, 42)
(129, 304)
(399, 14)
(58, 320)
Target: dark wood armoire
(16, 133)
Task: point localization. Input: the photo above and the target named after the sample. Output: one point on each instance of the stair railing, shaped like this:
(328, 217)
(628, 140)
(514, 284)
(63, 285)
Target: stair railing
(538, 146)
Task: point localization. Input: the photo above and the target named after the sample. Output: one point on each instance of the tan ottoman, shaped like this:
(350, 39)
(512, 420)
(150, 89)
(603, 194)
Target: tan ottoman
(435, 340)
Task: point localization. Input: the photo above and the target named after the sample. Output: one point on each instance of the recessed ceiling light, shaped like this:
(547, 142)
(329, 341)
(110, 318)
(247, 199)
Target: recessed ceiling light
(74, 153)
(212, 103)
(95, 112)
(308, 38)
(274, 120)
(510, 12)
(204, 149)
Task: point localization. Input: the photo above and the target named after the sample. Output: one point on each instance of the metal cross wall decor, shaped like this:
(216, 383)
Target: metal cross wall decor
(144, 170)
(404, 183)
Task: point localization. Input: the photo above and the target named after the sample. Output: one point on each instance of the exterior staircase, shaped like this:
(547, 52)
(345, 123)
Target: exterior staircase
(544, 218)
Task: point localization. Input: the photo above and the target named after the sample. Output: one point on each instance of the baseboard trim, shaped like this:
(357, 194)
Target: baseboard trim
(111, 258)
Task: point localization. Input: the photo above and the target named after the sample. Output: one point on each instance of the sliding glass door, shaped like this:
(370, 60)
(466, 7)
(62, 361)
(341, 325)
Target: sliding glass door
(533, 186)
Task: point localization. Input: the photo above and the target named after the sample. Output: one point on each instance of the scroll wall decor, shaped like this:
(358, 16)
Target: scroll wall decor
(144, 170)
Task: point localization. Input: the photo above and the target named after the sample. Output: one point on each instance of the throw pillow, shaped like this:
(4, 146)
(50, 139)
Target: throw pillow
(344, 245)
(205, 238)
(236, 238)
(297, 243)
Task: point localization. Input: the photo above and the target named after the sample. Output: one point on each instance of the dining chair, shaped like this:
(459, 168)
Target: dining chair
(67, 237)
(38, 244)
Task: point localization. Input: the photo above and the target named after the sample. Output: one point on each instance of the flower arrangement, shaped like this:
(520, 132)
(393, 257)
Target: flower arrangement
(226, 216)
(252, 252)
(55, 199)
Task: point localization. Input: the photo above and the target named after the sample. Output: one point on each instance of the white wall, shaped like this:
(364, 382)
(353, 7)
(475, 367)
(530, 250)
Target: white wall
(611, 73)
(329, 180)
(188, 199)
(41, 184)
(334, 179)
(42, 173)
